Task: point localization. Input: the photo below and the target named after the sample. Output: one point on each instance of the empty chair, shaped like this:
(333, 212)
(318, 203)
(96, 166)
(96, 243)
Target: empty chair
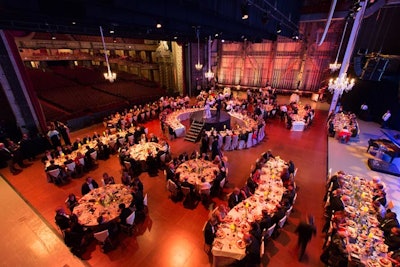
(129, 227)
(249, 142)
(103, 238)
(172, 188)
(267, 233)
(227, 143)
(242, 144)
(235, 142)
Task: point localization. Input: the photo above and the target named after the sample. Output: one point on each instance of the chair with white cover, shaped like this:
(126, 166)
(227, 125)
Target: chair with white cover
(145, 200)
(267, 233)
(131, 140)
(93, 156)
(282, 222)
(227, 143)
(186, 193)
(129, 227)
(261, 133)
(249, 142)
(173, 189)
(143, 116)
(121, 141)
(54, 176)
(220, 141)
(103, 238)
(288, 212)
(235, 142)
(294, 199)
(113, 145)
(241, 145)
(71, 169)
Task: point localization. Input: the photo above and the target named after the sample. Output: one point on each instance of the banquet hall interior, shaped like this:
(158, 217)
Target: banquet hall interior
(247, 54)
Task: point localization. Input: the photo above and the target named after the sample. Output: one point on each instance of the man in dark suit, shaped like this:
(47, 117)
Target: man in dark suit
(89, 161)
(235, 198)
(125, 213)
(209, 231)
(62, 219)
(60, 177)
(88, 186)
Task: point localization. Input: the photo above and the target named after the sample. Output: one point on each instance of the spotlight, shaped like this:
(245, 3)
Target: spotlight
(278, 28)
(158, 25)
(245, 11)
(111, 31)
(295, 36)
(53, 37)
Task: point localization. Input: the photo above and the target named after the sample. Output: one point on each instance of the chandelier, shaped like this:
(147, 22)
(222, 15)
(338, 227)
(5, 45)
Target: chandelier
(198, 66)
(209, 74)
(110, 76)
(340, 84)
(335, 66)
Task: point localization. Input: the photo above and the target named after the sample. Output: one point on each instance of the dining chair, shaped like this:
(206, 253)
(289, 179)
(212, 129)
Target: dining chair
(294, 199)
(289, 211)
(186, 193)
(206, 247)
(228, 142)
(130, 226)
(146, 208)
(71, 168)
(282, 222)
(103, 238)
(54, 175)
(172, 188)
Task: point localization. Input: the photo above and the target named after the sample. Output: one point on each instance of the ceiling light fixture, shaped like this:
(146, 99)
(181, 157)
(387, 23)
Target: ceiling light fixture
(209, 74)
(198, 66)
(111, 76)
(158, 25)
(279, 28)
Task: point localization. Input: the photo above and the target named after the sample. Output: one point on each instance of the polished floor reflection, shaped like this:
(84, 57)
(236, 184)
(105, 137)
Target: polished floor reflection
(171, 234)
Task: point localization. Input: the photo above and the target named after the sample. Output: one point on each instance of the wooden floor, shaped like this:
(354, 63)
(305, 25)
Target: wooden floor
(171, 235)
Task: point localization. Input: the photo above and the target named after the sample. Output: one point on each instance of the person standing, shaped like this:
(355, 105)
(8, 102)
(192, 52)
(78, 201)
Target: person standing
(385, 119)
(305, 231)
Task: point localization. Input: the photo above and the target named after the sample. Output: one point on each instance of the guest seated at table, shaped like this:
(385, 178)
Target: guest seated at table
(170, 172)
(379, 209)
(75, 237)
(186, 183)
(279, 213)
(393, 239)
(220, 213)
(89, 161)
(205, 156)
(380, 196)
(252, 257)
(289, 194)
(47, 156)
(291, 167)
(62, 219)
(235, 198)
(126, 179)
(245, 191)
(136, 182)
(266, 220)
(153, 138)
(389, 222)
(337, 254)
(61, 177)
(125, 212)
(71, 202)
(137, 200)
(210, 230)
(79, 167)
(111, 226)
(59, 152)
(77, 144)
(108, 179)
(255, 230)
(88, 186)
(267, 155)
(251, 184)
(103, 151)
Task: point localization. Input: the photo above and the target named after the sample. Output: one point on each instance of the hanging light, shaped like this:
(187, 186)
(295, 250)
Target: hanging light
(198, 66)
(209, 74)
(341, 84)
(111, 76)
(335, 66)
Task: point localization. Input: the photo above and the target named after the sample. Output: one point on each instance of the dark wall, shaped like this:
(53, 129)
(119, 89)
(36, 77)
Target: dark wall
(379, 96)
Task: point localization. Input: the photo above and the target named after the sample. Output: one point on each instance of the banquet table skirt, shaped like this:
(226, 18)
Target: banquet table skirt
(298, 126)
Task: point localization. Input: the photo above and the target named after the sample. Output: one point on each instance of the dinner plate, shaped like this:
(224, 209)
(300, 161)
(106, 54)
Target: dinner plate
(220, 234)
(384, 261)
(241, 244)
(373, 263)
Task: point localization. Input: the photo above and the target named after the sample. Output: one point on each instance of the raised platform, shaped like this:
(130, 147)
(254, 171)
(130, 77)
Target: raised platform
(213, 122)
(383, 166)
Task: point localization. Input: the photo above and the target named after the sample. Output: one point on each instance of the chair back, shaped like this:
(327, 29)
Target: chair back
(288, 212)
(54, 173)
(269, 231)
(172, 187)
(131, 219)
(93, 155)
(228, 143)
(127, 165)
(121, 141)
(145, 200)
(71, 166)
(222, 183)
(282, 222)
(101, 236)
(294, 199)
(185, 190)
(235, 140)
(82, 161)
(162, 157)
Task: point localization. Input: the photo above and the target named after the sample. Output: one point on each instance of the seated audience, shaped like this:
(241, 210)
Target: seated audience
(88, 186)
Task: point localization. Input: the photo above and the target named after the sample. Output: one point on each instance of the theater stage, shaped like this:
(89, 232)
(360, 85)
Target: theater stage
(216, 122)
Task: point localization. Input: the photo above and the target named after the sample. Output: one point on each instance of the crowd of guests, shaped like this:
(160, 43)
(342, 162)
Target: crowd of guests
(254, 236)
(76, 236)
(335, 252)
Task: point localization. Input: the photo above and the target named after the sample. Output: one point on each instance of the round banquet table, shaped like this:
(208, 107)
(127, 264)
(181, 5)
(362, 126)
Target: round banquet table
(102, 201)
(195, 169)
(140, 151)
